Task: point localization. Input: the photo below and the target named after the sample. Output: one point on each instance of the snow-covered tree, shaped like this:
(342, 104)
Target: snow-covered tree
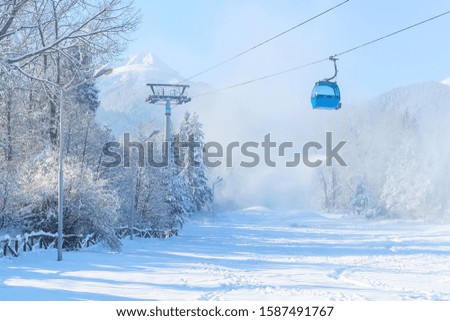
(193, 175)
(47, 47)
(360, 201)
(396, 160)
(90, 205)
(405, 186)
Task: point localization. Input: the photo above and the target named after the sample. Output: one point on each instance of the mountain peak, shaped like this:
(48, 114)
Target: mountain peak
(446, 82)
(141, 59)
(147, 64)
(124, 91)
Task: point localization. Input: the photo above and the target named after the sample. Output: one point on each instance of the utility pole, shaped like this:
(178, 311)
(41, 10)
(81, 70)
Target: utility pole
(105, 70)
(60, 179)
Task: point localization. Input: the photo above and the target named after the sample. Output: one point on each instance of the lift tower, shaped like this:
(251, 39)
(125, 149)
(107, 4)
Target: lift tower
(166, 94)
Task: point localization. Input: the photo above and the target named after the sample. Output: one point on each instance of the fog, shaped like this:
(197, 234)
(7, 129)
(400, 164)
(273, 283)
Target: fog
(280, 106)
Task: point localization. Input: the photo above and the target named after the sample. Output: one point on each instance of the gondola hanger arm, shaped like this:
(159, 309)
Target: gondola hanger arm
(333, 59)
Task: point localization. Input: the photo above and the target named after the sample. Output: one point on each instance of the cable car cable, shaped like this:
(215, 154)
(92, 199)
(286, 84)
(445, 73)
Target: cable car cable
(264, 42)
(262, 78)
(324, 59)
(392, 34)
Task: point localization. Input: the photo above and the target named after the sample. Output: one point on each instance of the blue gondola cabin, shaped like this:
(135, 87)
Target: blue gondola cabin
(326, 95)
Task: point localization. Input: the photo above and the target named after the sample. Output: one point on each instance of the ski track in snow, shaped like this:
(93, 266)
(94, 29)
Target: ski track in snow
(255, 254)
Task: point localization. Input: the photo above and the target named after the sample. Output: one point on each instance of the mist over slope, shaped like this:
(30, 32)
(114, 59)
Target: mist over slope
(398, 153)
(396, 143)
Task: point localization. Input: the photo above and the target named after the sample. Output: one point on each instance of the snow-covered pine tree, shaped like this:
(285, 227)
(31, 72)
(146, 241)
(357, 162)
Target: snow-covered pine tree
(175, 209)
(181, 191)
(194, 171)
(360, 201)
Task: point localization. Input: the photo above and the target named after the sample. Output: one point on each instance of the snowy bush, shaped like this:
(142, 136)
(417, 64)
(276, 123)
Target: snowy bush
(90, 206)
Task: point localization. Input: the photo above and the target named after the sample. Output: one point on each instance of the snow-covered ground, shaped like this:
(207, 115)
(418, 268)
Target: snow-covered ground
(254, 254)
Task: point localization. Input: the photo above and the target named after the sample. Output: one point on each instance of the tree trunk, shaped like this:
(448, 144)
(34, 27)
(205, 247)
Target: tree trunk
(8, 151)
(333, 189)
(83, 154)
(325, 191)
(54, 122)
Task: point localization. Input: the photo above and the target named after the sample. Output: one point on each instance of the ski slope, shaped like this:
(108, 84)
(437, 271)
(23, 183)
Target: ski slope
(254, 254)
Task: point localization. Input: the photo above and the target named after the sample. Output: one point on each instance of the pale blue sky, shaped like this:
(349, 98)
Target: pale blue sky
(192, 35)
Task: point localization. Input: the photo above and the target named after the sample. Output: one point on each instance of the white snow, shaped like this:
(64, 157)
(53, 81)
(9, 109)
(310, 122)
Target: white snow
(255, 254)
(446, 81)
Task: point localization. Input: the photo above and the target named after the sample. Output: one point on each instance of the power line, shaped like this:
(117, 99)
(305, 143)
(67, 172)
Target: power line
(262, 78)
(264, 42)
(392, 34)
(324, 59)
